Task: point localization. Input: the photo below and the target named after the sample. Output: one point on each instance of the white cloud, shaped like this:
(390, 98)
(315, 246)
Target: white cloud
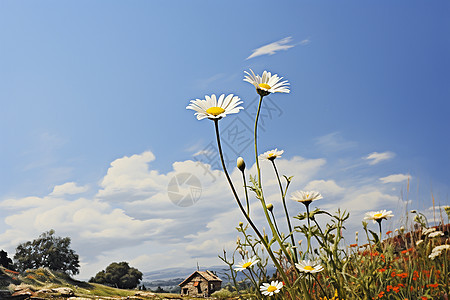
(272, 48)
(129, 215)
(376, 157)
(325, 187)
(69, 188)
(395, 178)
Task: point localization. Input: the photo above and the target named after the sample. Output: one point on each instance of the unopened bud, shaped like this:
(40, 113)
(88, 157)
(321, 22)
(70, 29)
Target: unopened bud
(240, 164)
(241, 224)
(414, 211)
(270, 206)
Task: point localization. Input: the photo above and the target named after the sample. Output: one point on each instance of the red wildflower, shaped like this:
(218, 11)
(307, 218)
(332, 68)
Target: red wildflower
(382, 270)
(435, 285)
(389, 232)
(380, 295)
(353, 245)
(402, 275)
(393, 274)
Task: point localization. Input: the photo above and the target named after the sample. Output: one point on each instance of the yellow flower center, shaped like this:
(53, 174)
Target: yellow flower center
(377, 215)
(271, 288)
(247, 264)
(309, 268)
(265, 86)
(215, 111)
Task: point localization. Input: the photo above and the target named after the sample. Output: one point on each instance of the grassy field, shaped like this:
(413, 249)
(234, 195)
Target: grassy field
(43, 282)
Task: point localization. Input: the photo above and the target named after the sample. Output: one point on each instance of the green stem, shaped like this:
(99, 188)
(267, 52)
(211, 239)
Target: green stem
(262, 239)
(285, 210)
(309, 229)
(274, 233)
(246, 194)
(275, 222)
(256, 144)
(379, 223)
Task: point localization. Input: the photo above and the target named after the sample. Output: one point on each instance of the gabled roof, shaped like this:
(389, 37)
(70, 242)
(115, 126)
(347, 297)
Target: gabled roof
(208, 275)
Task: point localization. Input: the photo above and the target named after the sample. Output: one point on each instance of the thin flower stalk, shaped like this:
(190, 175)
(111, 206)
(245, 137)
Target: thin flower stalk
(283, 198)
(269, 251)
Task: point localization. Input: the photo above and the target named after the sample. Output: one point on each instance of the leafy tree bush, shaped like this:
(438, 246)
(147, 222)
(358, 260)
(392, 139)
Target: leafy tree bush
(48, 251)
(119, 275)
(5, 261)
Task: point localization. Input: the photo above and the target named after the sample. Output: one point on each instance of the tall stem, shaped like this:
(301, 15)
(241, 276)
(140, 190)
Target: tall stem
(309, 228)
(246, 193)
(379, 223)
(256, 143)
(285, 210)
(247, 217)
(274, 232)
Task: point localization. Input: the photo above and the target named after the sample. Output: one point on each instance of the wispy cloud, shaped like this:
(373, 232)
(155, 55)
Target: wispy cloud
(376, 157)
(272, 48)
(334, 142)
(394, 178)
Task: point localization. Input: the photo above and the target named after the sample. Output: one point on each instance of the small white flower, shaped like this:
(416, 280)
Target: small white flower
(306, 197)
(267, 83)
(377, 216)
(269, 289)
(426, 231)
(434, 254)
(247, 264)
(271, 155)
(308, 266)
(436, 234)
(441, 248)
(213, 108)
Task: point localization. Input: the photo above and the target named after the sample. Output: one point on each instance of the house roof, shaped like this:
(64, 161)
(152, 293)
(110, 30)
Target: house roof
(208, 275)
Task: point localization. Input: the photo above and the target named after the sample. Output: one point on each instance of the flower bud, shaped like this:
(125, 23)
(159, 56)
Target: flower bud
(241, 224)
(270, 206)
(240, 164)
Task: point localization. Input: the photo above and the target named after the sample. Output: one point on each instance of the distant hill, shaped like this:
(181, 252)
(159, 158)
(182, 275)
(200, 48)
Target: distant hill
(168, 279)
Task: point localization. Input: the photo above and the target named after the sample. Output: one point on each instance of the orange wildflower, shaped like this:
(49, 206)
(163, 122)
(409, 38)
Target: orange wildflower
(435, 285)
(353, 245)
(402, 275)
(389, 232)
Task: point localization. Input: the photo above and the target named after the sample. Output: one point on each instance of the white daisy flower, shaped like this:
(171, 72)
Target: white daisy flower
(427, 231)
(271, 155)
(306, 197)
(267, 83)
(246, 264)
(377, 216)
(269, 289)
(213, 108)
(307, 266)
(436, 234)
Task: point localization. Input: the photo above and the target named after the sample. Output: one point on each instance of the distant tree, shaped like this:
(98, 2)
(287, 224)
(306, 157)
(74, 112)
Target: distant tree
(48, 251)
(119, 275)
(160, 290)
(5, 261)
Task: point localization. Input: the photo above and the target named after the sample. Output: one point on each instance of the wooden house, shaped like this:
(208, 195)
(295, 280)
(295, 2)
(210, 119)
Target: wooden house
(200, 284)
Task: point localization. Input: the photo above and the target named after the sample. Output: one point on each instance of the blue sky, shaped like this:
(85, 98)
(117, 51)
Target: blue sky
(93, 121)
